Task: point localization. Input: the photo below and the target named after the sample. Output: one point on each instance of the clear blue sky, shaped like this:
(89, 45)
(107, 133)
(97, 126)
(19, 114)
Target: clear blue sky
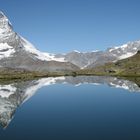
(59, 26)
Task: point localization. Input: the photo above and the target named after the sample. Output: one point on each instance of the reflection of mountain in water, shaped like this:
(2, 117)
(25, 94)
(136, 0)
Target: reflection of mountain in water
(110, 81)
(13, 95)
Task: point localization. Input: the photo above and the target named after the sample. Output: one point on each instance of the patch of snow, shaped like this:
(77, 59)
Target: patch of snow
(6, 50)
(95, 51)
(135, 48)
(112, 49)
(40, 55)
(5, 26)
(128, 54)
(77, 51)
(123, 47)
(53, 58)
(118, 47)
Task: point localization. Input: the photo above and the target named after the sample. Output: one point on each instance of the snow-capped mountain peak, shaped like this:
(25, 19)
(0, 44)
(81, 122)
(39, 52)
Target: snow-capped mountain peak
(5, 26)
(10, 42)
(6, 35)
(118, 47)
(125, 50)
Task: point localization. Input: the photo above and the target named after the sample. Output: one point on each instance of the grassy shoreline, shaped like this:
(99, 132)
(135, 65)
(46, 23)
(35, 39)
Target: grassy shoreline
(32, 75)
(27, 76)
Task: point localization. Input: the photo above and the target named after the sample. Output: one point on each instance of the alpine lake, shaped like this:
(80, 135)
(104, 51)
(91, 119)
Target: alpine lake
(70, 108)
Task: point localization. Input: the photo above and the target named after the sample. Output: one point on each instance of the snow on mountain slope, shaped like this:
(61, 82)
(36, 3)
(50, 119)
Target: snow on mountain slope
(126, 50)
(8, 37)
(40, 55)
(128, 54)
(92, 59)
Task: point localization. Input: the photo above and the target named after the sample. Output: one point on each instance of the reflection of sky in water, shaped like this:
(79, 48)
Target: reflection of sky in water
(68, 106)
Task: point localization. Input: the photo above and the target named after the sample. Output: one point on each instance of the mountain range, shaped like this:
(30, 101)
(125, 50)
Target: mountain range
(18, 53)
(126, 67)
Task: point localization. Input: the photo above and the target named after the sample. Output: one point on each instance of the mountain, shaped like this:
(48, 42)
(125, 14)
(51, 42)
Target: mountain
(125, 67)
(17, 52)
(14, 94)
(128, 66)
(96, 58)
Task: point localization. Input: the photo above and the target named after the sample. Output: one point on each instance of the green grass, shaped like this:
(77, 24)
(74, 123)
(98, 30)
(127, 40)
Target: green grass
(27, 75)
(129, 67)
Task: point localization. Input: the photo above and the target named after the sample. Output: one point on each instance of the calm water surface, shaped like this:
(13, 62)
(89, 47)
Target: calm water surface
(70, 108)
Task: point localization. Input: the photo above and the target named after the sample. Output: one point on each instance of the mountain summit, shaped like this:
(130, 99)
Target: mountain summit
(17, 52)
(12, 42)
